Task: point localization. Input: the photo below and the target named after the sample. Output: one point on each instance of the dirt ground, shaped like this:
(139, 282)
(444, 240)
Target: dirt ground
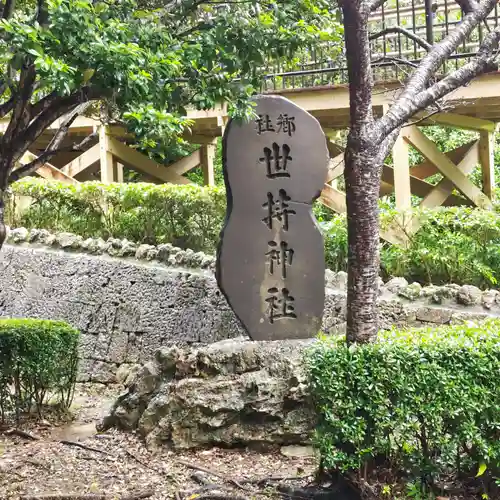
(117, 465)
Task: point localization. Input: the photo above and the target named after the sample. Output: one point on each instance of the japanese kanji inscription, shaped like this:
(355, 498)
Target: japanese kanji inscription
(270, 261)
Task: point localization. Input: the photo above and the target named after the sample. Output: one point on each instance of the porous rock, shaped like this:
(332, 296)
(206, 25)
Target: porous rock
(69, 240)
(394, 285)
(469, 295)
(411, 292)
(18, 235)
(230, 393)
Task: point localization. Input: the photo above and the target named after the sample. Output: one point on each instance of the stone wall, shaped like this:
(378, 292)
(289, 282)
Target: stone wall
(130, 300)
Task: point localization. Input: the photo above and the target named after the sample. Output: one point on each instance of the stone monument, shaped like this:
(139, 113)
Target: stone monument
(270, 260)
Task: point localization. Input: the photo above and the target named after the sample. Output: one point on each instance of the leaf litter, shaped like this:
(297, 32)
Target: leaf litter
(68, 460)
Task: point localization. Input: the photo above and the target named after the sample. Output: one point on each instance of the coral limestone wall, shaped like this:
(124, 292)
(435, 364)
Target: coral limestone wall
(129, 300)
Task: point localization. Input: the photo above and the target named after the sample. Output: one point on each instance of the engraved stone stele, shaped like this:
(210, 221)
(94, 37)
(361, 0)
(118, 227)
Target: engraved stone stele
(270, 260)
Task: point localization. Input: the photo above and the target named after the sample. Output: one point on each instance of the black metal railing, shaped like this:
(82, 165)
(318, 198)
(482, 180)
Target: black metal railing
(402, 31)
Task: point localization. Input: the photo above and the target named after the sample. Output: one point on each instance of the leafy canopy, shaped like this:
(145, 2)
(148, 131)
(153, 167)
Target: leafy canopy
(150, 63)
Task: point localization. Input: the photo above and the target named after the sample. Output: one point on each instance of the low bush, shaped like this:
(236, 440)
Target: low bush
(38, 363)
(416, 406)
(188, 216)
(455, 244)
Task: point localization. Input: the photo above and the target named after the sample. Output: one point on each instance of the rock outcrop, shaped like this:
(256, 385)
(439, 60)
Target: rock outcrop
(230, 393)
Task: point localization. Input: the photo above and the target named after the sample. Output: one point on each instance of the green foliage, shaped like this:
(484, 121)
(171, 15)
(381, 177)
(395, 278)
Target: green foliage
(455, 244)
(335, 237)
(188, 216)
(421, 403)
(149, 64)
(38, 363)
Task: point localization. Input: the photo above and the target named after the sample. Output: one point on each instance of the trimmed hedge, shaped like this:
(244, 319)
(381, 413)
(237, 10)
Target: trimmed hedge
(454, 245)
(186, 216)
(423, 404)
(38, 363)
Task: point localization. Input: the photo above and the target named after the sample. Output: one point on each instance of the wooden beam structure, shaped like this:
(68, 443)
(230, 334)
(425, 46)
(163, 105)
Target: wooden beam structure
(48, 171)
(132, 158)
(487, 161)
(107, 159)
(430, 151)
(207, 157)
(475, 107)
(84, 161)
(402, 188)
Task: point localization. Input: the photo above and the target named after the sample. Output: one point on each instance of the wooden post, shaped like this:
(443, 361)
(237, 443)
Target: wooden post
(108, 162)
(487, 161)
(118, 174)
(402, 189)
(207, 163)
(222, 122)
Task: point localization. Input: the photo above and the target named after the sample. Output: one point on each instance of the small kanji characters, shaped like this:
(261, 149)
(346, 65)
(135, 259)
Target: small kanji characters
(284, 123)
(279, 255)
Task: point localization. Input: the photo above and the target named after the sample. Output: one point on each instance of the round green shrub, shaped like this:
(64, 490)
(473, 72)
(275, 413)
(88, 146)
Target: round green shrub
(38, 363)
(423, 403)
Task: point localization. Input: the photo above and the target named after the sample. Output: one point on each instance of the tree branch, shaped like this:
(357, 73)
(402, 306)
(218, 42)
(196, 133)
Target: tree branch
(484, 62)
(53, 147)
(467, 5)
(58, 108)
(399, 112)
(21, 103)
(42, 14)
(44, 103)
(8, 9)
(376, 4)
(396, 60)
(409, 34)
(6, 107)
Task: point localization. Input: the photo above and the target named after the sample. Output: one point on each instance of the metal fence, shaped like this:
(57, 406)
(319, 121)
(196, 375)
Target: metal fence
(405, 29)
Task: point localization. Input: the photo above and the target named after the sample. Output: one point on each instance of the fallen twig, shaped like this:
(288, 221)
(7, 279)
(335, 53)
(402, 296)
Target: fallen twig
(140, 462)
(20, 433)
(220, 496)
(138, 495)
(214, 473)
(83, 446)
(57, 496)
(272, 479)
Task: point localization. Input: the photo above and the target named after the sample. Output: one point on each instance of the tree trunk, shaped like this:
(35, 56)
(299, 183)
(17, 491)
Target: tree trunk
(5, 169)
(3, 229)
(362, 178)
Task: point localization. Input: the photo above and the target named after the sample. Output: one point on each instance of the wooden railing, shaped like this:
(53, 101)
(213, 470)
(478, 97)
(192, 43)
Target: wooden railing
(394, 53)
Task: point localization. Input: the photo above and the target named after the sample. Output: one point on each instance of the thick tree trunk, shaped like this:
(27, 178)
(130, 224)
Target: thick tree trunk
(362, 177)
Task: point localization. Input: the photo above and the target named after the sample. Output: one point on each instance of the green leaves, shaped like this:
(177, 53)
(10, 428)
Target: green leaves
(38, 361)
(141, 59)
(188, 216)
(424, 402)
